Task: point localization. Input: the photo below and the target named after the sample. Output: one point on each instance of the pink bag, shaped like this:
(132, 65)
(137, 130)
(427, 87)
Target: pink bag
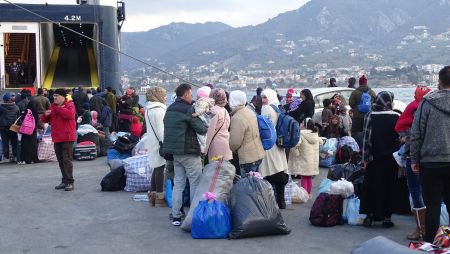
(28, 124)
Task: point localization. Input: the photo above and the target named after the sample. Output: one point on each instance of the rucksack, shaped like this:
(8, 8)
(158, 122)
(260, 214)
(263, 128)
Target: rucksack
(288, 130)
(28, 124)
(267, 132)
(365, 103)
(326, 210)
(343, 154)
(114, 180)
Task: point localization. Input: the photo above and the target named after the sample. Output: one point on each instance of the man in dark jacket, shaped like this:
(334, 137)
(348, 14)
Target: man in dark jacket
(430, 151)
(180, 140)
(354, 101)
(41, 103)
(106, 118)
(79, 98)
(96, 102)
(9, 112)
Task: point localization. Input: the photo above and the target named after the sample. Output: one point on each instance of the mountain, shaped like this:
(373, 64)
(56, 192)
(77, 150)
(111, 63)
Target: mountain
(336, 32)
(161, 40)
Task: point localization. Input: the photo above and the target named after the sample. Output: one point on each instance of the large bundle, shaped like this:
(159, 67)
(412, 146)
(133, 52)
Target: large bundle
(326, 210)
(138, 173)
(114, 180)
(328, 152)
(217, 178)
(254, 211)
(46, 149)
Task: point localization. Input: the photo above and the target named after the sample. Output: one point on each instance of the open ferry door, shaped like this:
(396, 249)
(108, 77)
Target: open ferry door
(19, 56)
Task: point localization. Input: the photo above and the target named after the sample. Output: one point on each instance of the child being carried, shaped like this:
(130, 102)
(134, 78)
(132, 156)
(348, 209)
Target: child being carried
(202, 108)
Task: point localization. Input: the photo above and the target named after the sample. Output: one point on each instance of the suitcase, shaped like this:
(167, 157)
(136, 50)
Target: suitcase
(85, 151)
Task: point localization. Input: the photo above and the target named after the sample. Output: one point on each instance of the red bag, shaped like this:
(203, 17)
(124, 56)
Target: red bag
(326, 210)
(442, 238)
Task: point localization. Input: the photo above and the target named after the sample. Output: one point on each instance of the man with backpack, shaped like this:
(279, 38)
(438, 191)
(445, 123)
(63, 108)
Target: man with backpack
(361, 101)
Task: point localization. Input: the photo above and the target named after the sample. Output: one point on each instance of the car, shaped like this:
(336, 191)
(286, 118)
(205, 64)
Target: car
(320, 94)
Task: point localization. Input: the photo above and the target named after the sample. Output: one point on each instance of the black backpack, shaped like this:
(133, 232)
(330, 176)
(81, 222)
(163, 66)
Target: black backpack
(114, 180)
(125, 143)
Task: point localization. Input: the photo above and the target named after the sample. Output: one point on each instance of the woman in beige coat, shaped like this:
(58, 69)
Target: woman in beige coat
(274, 165)
(304, 157)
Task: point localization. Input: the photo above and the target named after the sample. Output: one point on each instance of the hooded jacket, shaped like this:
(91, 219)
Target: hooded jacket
(430, 135)
(8, 114)
(304, 157)
(406, 119)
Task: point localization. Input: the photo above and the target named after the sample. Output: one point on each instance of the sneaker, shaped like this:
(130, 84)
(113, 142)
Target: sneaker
(69, 187)
(5, 161)
(176, 222)
(60, 186)
(21, 163)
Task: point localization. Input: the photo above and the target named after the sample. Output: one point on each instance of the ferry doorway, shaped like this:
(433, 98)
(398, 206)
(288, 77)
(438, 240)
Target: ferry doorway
(19, 64)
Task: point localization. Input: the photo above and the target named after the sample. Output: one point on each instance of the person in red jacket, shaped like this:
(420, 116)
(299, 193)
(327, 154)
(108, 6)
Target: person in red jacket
(136, 127)
(402, 127)
(62, 118)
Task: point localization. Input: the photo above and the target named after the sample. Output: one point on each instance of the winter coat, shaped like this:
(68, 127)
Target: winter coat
(304, 110)
(217, 137)
(79, 98)
(86, 117)
(304, 157)
(136, 127)
(22, 104)
(244, 135)
(111, 100)
(63, 122)
(154, 117)
(106, 116)
(406, 119)
(41, 103)
(180, 129)
(275, 159)
(430, 138)
(96, 104)
(8, 114)
(355, 98)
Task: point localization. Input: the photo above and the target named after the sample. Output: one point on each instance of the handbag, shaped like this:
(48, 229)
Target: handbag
(166, 156)
(15, 127)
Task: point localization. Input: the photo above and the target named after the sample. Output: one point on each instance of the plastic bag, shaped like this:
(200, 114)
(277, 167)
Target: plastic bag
(141, 146)
(342, 187)
(444, 215)
(327, 162)
(169, 190)
(254, 211)
(325, 185)
(296, 194)
(442, 238)
(218, 178)
(211, 220)
(329, 147)
(352, 211)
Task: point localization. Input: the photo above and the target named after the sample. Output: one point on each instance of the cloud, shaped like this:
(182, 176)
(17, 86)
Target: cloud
(143, 15)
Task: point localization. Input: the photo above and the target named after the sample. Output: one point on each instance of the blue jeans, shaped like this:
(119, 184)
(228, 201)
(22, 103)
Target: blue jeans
(189, 166)
(414, 186)
(247, 168)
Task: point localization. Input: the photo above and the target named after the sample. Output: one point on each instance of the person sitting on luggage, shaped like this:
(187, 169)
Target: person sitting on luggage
(334, 130)
(85, 117)
(136, 127)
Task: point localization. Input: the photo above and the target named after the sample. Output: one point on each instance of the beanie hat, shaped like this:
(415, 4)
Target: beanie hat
(363, 80)
(290, 91)
(237, 98)
(258, 90)
(156, 94)
(420, 92)
(61, 91)
(219, 96)
(203, 91)
(7, 97)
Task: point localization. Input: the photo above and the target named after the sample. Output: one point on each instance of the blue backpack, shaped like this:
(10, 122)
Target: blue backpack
(267, 132)
(288, 130)
(365, 103)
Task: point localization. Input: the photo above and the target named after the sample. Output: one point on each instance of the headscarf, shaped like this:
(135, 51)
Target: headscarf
(219, 97)
(384, 101)
(237, 98)
(271, 96)
(307, 93)
(156, 94)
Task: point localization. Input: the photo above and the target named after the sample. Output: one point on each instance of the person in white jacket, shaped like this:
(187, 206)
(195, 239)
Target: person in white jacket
(274, 166)
(304, 157)
(155, 111)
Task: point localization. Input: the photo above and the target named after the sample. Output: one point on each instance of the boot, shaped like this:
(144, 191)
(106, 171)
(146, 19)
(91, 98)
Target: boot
(421, 213)
(280, 196)
(160, 201)
(415, 236)
(151, 197)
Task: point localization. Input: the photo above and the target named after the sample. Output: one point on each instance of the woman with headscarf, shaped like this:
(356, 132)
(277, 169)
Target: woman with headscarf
(380, 141)
(217, 137)
(155, 111)
(306, 108)
(274, 165)
(29, 144)
(334, 129)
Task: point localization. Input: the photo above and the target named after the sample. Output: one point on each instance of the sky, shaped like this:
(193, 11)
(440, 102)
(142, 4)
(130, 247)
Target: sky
(143, 15)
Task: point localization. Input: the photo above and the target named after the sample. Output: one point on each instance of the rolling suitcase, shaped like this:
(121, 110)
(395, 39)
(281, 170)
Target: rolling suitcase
(85, 151)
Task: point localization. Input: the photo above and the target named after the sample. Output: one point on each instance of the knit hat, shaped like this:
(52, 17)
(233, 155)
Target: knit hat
(203, 91)
(420, 92)
(156, 94)
(237, 98)
(61, 91)
(219, 97)
(363, 80)
(290, 91)
(7, 97)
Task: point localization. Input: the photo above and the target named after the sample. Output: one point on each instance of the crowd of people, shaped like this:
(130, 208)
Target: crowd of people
(187, 134)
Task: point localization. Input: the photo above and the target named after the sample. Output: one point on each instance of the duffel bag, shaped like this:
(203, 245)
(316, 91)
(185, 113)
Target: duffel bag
(326, 210)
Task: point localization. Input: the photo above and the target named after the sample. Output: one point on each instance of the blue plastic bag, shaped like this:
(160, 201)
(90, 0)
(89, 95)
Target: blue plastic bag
(444, 215)
(169, 190)
(113, 154)
(327, 162)
(325, 185)
(353, 210)
(211, 220)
